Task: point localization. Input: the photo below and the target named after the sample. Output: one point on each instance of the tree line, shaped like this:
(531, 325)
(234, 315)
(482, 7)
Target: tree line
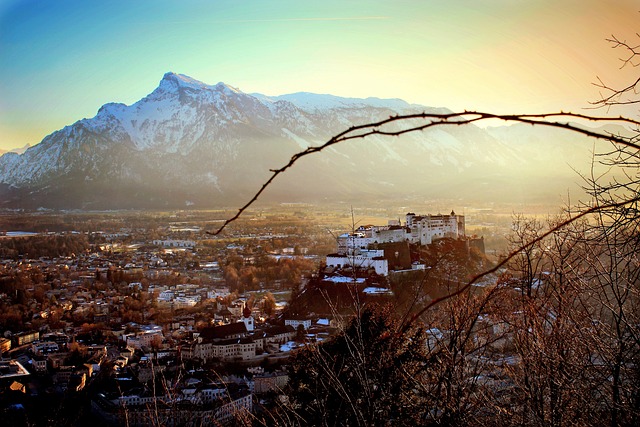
(49, 246)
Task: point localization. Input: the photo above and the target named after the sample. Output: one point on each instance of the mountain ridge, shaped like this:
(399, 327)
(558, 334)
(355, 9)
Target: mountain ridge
(190, 143)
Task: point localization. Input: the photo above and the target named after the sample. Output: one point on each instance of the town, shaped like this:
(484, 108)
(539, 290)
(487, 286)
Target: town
(125, 315)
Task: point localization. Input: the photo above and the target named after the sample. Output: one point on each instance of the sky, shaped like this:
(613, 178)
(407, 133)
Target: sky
(61, 60)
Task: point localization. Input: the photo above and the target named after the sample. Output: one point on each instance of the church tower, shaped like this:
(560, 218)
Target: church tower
(247, 318)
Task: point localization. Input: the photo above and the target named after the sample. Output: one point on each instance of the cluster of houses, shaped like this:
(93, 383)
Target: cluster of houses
(35, 353)
(68, 295)
(232, 335)
(196, 402)
(179, 296)
(242, 341)
(145, 353)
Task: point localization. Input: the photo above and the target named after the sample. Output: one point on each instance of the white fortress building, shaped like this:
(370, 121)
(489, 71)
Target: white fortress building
(363, 258)
(426, 229)
(354, 248)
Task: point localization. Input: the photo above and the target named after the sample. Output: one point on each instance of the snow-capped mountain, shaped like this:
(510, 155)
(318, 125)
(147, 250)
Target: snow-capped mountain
(189, 142)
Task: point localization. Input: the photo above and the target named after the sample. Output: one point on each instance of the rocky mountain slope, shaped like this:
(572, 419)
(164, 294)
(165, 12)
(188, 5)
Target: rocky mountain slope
(192, 144)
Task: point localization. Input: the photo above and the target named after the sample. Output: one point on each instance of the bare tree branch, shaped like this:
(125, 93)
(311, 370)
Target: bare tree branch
(633, 50)
(455, 119)
(458, 119)
(612, 95)
(614, 98)
(514, 253)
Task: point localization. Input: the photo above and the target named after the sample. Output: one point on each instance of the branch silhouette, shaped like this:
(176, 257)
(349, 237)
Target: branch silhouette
(515, 252)
(447, 119)
(459, 119)
(615, 95)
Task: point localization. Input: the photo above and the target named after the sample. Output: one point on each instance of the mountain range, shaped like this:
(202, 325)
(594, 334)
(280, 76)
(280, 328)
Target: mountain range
(192, 144)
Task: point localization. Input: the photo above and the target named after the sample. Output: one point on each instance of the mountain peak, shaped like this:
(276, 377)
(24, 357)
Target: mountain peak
(175, 80)
(180, 80)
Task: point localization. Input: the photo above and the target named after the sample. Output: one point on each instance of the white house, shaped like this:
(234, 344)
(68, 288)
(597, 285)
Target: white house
(174, 243)
(306, 323)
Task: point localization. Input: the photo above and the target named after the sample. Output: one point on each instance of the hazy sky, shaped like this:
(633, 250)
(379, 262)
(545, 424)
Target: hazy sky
(60, 60)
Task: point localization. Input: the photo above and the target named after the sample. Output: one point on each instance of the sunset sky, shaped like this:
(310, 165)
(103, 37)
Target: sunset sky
(61, 60)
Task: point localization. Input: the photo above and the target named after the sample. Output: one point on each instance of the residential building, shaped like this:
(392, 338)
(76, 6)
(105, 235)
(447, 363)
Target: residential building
(266, 382)
(295, 322)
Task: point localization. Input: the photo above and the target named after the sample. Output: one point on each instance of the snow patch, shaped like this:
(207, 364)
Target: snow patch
(313, 103)
(300, 141)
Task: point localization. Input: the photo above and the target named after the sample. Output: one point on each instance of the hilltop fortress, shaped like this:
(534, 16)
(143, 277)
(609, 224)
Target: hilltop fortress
(354, 249)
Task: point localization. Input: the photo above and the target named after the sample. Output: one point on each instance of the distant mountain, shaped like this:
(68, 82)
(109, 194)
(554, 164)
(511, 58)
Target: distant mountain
(189, 143)
(16, 150)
